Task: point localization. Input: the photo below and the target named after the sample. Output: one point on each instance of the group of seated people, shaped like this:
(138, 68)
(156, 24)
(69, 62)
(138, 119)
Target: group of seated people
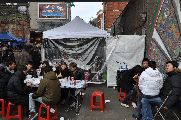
(13, 88)
(148, 88)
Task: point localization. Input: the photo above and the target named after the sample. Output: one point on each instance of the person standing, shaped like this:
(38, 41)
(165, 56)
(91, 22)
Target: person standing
(8, 55)
(23, 57)
(144, 66)
(131, 85)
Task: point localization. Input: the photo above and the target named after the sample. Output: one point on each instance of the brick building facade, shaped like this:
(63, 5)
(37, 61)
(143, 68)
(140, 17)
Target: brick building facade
(14, 18)
(100, 19)
(130, 21)
(159, 21)
(38, 24)
(111, 11)
(42, 24)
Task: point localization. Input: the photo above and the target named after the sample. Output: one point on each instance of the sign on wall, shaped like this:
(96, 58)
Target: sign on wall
(52, 11)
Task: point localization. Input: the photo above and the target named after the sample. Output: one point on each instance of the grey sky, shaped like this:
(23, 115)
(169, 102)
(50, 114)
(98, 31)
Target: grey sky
(86, 10)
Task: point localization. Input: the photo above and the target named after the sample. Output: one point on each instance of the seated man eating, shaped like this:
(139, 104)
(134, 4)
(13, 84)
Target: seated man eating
(49, 91)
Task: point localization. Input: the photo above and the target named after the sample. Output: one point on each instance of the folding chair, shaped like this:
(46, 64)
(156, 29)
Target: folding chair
(158, 109)
(159, 112)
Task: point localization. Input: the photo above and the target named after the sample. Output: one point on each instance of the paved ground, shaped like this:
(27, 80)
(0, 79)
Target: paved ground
(113, 110)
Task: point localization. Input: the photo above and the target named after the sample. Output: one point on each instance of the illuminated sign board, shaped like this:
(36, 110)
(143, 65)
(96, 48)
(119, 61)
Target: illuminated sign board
(52, 11)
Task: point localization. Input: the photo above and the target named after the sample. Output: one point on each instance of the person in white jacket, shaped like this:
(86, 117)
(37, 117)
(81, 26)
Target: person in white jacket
(150, 83)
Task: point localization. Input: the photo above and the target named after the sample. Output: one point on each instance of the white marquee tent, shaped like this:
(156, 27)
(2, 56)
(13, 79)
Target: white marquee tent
(76, 41)
(77, 28)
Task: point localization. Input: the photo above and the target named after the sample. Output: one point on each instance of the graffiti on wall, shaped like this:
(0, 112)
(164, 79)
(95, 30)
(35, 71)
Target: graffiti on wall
(167, 28)
(158, 55)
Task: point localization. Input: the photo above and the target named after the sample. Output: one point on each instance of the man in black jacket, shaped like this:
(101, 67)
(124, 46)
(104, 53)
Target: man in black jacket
(31, 70)
(172, 83)
(5, 76)
(78, 74)
(16, 91)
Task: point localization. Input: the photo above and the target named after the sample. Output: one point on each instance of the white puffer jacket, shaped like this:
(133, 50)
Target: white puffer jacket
(150, 82)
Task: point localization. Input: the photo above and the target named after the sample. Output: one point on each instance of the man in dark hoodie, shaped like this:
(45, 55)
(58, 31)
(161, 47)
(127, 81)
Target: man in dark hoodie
(173, 84)
(16, 89)
(5, 76)
(49, 91)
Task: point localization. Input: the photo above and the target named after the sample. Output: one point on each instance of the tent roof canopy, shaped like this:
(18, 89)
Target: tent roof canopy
(6, 36)
(77, 28)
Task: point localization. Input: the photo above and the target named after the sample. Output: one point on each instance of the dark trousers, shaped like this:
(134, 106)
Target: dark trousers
(64, 93)
(22, 100)
(72, 95)
(131, 95)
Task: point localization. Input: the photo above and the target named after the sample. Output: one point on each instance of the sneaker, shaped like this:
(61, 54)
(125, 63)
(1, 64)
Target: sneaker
(52, 110)
(134, 105)
(62, 118)
(32, 115)
(124, 105)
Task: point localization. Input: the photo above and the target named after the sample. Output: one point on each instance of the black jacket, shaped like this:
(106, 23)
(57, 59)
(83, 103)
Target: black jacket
(172, 82)
(16, 85)
(64, 73)
(33, 73)
(5, 76)
(43, 70)
(78, 74)
(125, 80)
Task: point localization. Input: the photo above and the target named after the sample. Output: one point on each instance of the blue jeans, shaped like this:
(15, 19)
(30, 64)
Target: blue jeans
(146, 107)
(32, 102)
(139, 106)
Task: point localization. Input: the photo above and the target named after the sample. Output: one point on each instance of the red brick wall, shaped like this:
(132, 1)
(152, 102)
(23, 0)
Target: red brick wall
(99, 17)
(112, 10)
(17, 24)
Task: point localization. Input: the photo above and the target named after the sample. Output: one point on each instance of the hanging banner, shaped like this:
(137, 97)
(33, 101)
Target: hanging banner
(124, 52)
(85, 52)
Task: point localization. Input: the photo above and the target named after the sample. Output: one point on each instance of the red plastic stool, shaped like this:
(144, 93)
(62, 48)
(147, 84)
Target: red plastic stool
(2, 112)
(47, 107)
(18, 116)
(122, 95)
(95, 104)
